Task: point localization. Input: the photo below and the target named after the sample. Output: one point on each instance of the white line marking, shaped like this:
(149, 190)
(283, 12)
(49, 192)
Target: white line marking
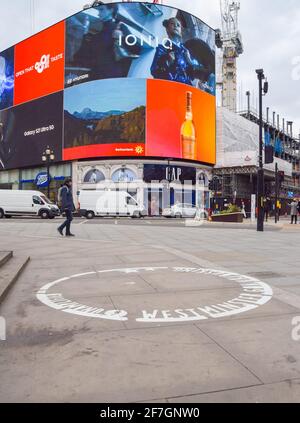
(254, 293)
(82, 223)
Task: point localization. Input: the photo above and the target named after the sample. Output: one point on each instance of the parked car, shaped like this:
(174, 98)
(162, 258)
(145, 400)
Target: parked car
(109, 203)
(184, 210)
(26, 203)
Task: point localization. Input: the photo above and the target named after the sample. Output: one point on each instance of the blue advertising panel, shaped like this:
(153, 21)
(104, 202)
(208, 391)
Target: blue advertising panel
(7, 78)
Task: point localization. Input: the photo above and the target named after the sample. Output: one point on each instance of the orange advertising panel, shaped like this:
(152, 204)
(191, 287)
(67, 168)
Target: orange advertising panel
(181, 122)
(39, 64)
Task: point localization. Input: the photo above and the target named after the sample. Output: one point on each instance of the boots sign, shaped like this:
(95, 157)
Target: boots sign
(178, 174)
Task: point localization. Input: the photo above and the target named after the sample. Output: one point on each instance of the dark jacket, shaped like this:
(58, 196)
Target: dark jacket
(67, 199)
(179, 71)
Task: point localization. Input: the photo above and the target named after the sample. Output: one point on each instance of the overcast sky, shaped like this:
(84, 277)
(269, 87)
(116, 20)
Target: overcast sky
(270, 30)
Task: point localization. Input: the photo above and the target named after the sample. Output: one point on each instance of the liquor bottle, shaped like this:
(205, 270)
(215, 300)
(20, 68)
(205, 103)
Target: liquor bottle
(188, 132)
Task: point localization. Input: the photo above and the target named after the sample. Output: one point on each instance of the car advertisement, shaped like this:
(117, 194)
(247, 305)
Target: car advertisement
(139, 40)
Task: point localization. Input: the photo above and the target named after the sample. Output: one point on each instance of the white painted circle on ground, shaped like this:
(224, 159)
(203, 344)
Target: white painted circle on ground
(254, 293)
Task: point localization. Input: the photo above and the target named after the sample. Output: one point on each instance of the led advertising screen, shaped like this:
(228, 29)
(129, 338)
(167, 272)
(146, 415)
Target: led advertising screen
(139, 40)
(39, 64)
(180, 122)
(117, 80)
(7, 78)
(26, 131)
(139, 117)
(105, 118)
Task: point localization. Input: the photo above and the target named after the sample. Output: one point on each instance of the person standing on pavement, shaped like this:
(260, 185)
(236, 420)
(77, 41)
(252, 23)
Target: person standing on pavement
(294, 212)
(244, 209)
(267, 208)
(67, 207)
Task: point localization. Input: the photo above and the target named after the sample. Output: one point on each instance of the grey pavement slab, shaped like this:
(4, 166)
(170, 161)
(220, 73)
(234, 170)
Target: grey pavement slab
(264, 345)
(4, 257)
(98, 285)
(51, 355)
(30, 318)
(276, 393)
(111, 367)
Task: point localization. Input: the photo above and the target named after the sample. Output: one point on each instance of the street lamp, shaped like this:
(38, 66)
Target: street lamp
(48, 157)
(263, 90)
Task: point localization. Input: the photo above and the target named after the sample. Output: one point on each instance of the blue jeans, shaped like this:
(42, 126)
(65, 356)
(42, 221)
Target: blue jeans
(67, 222)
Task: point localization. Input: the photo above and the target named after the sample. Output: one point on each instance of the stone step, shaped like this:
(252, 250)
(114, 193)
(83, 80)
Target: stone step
(5, 256)
(10, 272)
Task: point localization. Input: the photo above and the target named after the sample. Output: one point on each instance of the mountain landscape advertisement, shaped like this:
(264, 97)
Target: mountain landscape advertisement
(113, 127)
(88, 114)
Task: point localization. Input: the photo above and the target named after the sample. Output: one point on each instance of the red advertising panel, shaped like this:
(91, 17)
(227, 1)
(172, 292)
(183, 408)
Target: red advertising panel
(181, 122)
(39, 64)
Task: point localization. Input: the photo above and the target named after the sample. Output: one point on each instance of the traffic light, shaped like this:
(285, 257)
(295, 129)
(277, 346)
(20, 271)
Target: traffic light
(269, 154)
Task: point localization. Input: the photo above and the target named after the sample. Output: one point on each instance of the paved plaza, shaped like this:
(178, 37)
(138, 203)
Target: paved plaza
(146, 311)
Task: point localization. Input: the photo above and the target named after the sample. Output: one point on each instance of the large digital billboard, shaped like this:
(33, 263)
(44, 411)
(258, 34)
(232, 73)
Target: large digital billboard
(139, 117)
(117, 80)
(105, 118)
(139, 40)
(26, 131)
(7, 78)
(39, 64)
(180, 122)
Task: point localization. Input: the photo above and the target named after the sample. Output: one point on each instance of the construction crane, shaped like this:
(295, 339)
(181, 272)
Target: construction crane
(230, 40)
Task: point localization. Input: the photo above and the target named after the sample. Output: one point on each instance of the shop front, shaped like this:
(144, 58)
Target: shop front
(156, 185)
(9, 179)
(36, 179)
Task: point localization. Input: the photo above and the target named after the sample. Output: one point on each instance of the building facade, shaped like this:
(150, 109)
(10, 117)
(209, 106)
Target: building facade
(123, 94)
(237, 160)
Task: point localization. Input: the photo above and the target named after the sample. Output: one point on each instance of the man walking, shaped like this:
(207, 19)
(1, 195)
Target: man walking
(294, 212)
(67, 207)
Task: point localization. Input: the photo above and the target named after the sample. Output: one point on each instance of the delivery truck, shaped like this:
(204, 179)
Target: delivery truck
(26, 203)
(95, 203)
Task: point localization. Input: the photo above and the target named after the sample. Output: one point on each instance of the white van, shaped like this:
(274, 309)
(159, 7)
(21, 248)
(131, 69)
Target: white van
(109, 203)
(26, 203)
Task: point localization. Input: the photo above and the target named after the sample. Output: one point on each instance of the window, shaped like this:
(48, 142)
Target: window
(46, 200)
(131, 201)
(37, 200)
(93, 176)
(124, 175)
